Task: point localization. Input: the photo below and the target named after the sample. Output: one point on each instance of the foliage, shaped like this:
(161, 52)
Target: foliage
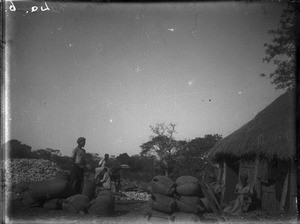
(191, 158)
(142, 168)
(162, 144)
(178, 157)
(123, 158)
(162, 154)
(17, 150)
(54, 155)
(281, 51)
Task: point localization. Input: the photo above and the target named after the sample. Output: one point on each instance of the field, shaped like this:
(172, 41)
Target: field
(131, 211)
(131, 206)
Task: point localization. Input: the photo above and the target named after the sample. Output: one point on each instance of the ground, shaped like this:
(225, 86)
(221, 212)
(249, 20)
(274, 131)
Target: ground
(135, 209)
(133, 212)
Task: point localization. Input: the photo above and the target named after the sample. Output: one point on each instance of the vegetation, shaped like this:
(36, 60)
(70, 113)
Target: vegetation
(282, 51)
(192, 158)
(162, 155)
(162, 145)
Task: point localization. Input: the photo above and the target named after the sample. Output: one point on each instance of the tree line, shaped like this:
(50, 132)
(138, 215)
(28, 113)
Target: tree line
(161, 155)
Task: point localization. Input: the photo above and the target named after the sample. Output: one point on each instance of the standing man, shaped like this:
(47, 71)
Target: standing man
(78, 162)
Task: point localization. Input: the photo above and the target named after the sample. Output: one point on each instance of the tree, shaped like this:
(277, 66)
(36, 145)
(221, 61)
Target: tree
(54, 151)
(191, 159)
(17, 150)
(135, 164)
(123, 158)
(47, 153)
(282, 51)
(53, 155)
(162, 144)
(42, 154)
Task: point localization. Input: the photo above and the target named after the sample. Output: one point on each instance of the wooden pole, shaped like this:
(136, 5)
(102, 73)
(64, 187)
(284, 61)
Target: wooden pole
(284, 192)
(220, 168)
(224, 173)
(223, 181)
(256, 182)
(293, 190)
(256, 164)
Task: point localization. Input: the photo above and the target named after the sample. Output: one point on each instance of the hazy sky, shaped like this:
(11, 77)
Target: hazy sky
(108, 71)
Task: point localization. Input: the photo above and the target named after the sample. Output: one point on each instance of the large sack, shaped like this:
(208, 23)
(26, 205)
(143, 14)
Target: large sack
(76, 203)
(106, 194)
(163, 203)
(53, 204)
(49, 189)
(103, 205)
(188, 186)
(89, 188)
(21, 186)
(163, 185)
(29, 201)
(180, 217)
(190, 200)
(187, 208)
(190, 204)
(63, 175)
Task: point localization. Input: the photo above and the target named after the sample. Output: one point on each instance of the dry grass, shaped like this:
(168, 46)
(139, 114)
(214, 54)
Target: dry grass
(271, 133)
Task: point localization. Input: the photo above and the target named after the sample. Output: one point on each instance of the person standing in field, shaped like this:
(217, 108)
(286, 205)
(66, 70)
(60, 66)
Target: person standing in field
(103, 163)
(78, 162)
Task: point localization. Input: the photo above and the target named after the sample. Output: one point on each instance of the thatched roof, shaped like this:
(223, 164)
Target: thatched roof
(270, 133)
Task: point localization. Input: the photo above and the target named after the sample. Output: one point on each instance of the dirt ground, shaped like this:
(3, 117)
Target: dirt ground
(132, 212)
(124, 213)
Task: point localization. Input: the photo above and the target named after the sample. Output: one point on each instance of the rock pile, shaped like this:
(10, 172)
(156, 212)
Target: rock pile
(29, 170)
(133, 195)
(22, 171)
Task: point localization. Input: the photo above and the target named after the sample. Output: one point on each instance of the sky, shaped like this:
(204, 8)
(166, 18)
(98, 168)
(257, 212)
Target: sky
(108, 71)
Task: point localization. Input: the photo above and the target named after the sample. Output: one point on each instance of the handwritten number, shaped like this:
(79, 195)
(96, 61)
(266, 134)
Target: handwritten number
(12, 6)
(47, 8)
(34, 8)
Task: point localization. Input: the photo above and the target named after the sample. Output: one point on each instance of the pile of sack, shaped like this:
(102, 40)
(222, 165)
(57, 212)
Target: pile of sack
(41, 183)
(103, 205)
(57, 194)
(39, 192)
(184, 195)
(36, 193)
(19, 173)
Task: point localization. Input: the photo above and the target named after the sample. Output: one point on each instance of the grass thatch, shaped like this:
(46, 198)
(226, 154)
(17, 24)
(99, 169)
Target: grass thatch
(271, 133)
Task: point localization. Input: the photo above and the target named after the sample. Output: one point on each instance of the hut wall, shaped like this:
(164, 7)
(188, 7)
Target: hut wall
(268, 198)
(231, 180)
(274, 181)
(248, 167)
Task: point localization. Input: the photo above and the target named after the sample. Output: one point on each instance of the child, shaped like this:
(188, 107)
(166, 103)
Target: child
(105, 181)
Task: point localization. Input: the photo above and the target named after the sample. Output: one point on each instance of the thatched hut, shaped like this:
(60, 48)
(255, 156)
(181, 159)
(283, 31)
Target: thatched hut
(265, 149)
